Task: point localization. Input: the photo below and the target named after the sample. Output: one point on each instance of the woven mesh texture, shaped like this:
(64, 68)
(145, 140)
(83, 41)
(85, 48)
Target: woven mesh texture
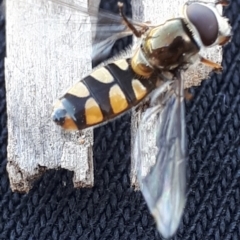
(112, 210)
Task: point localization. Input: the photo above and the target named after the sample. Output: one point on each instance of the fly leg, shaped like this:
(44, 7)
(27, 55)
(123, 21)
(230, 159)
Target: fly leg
(215, 66)
(137, 33)
(222, 2)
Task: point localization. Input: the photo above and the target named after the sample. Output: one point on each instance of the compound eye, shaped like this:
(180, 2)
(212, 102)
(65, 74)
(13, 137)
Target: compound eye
(205, 21)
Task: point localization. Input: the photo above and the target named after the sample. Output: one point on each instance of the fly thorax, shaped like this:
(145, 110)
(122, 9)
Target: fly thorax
(169, 45)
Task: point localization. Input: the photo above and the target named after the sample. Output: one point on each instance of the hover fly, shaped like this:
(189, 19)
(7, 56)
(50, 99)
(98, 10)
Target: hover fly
(154, 68)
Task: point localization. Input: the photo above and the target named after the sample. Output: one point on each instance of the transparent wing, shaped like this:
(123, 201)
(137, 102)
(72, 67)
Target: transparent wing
(110, 27)
(91, 10)
(160, 154)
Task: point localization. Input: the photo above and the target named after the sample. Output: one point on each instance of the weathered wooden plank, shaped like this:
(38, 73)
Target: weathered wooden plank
(48, 48)
(157, 11)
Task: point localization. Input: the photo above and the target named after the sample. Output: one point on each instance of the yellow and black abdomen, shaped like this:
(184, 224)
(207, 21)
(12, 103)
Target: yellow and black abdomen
(105, 93)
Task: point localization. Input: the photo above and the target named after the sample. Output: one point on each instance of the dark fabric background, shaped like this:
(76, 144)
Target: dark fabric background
(112, 210)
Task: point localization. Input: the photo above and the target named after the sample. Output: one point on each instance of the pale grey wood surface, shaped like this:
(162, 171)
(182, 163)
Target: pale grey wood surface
(48, 49)
(157, 12)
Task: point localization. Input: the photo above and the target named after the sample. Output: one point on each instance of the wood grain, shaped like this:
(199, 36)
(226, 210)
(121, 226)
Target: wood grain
(48, 49)
(157, 12)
